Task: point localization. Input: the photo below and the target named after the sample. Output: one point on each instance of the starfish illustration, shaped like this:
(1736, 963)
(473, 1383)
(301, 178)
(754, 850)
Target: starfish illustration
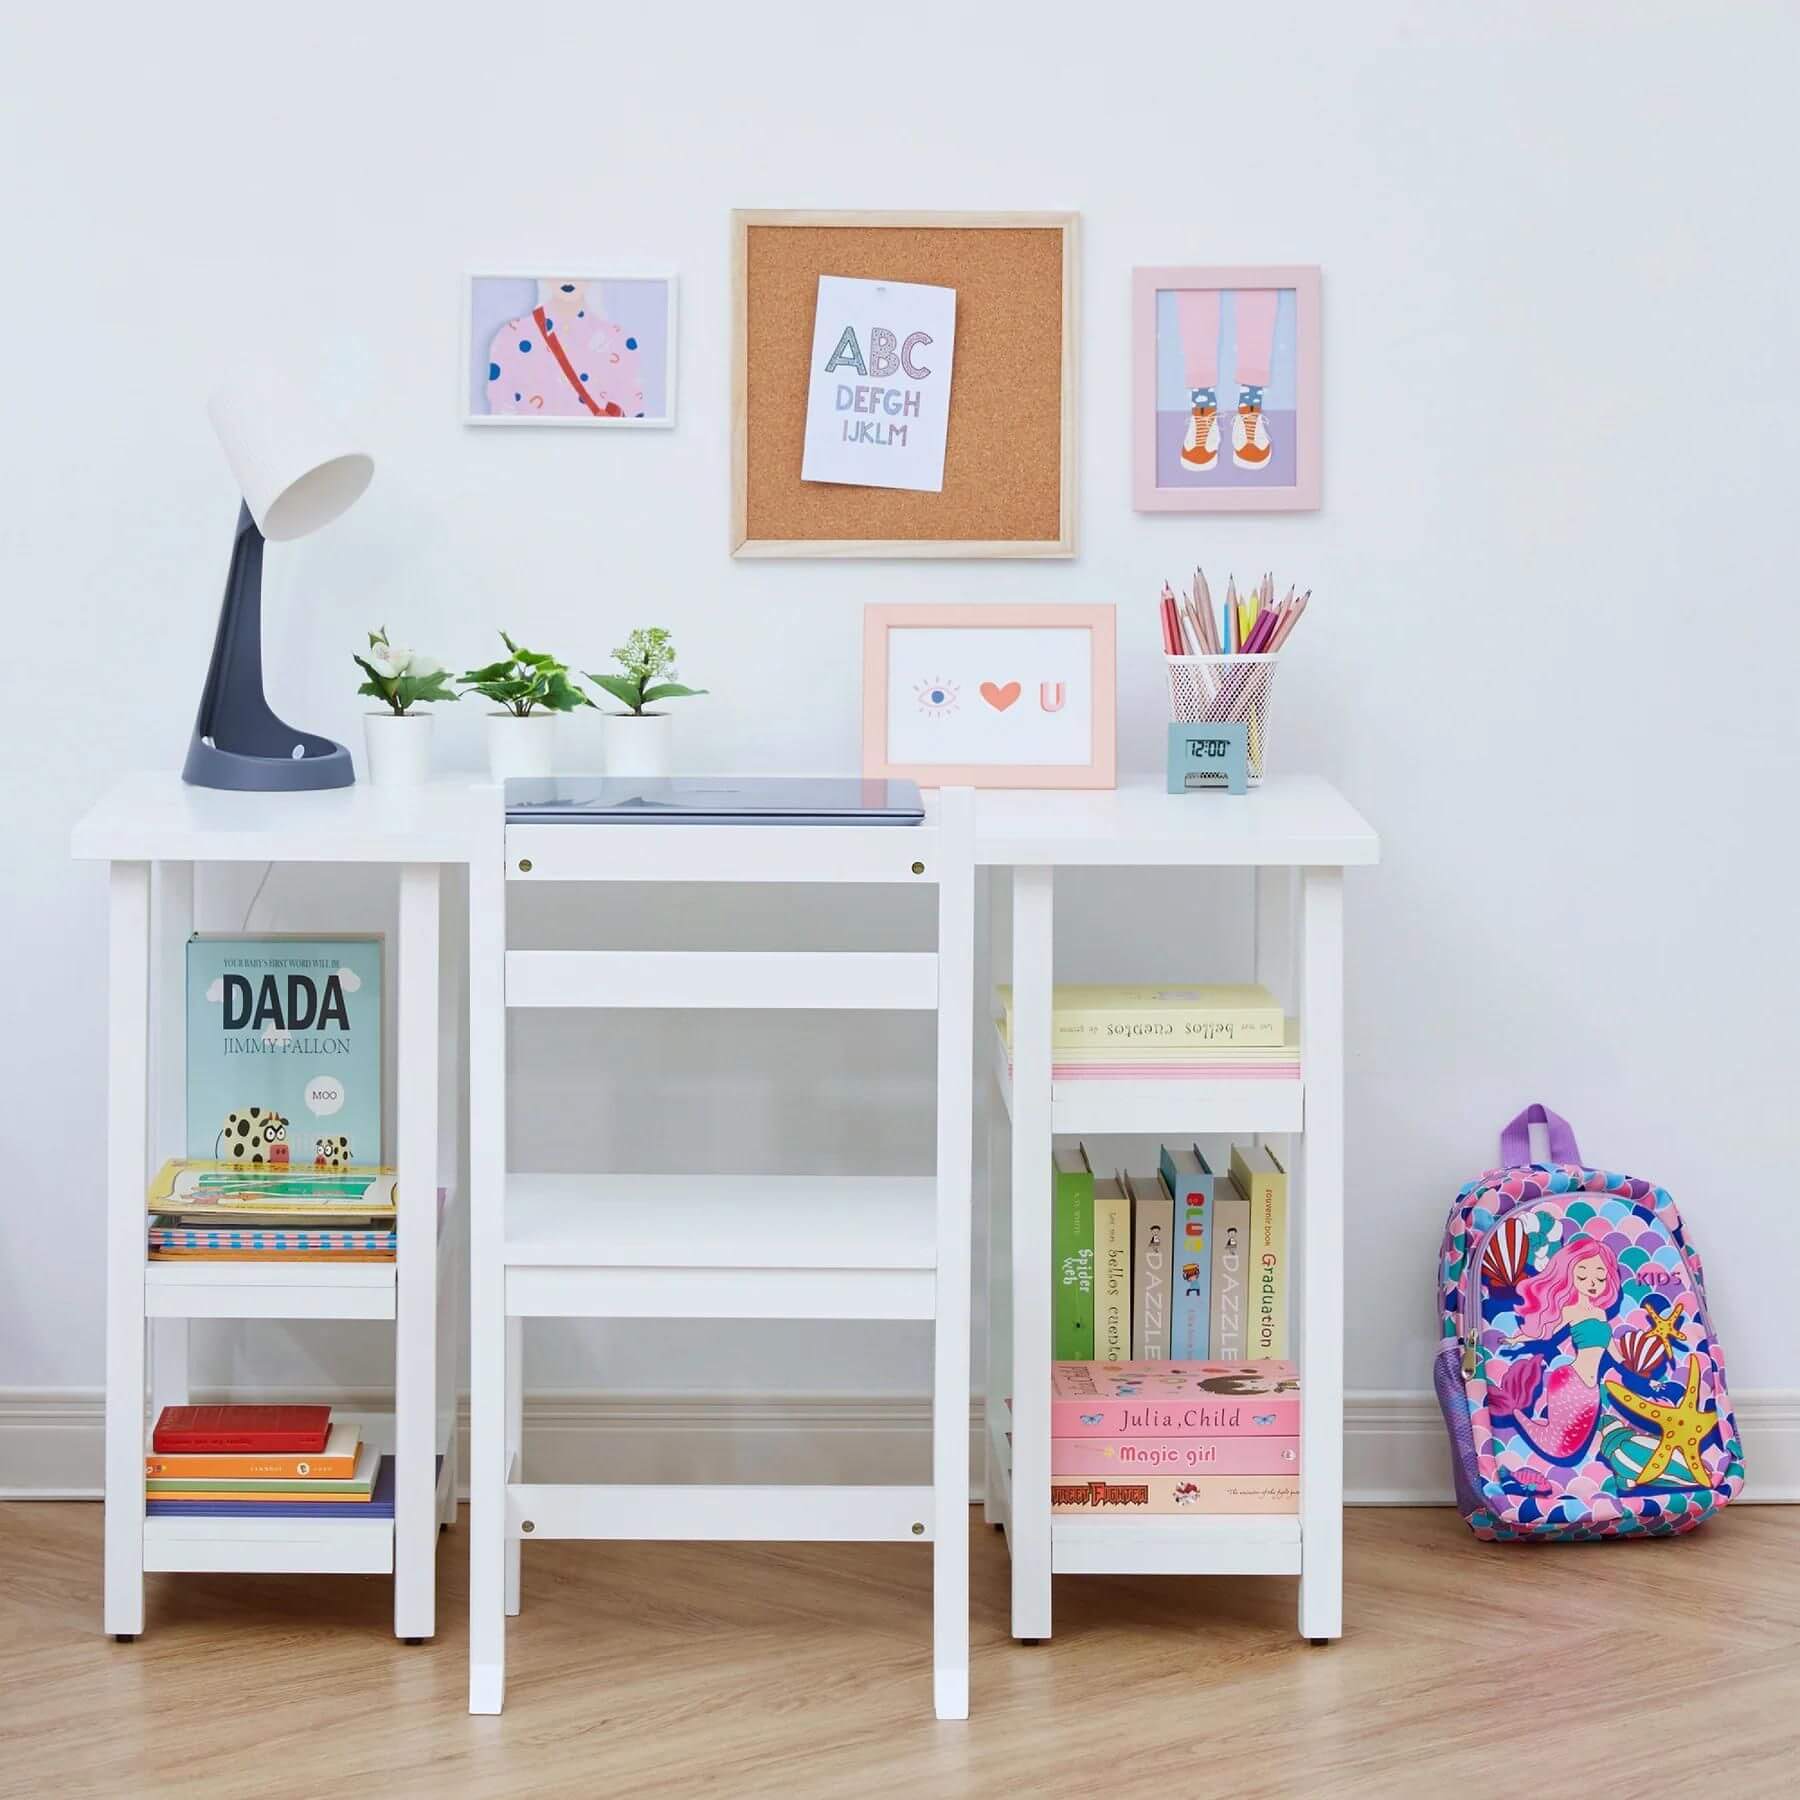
(1681, 1426)
(1667, 1327)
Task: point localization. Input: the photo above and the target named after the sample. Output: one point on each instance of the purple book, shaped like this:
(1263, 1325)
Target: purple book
(379, 1505)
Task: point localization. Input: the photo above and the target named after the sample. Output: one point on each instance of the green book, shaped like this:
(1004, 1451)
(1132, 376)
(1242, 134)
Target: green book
(1072, 1257)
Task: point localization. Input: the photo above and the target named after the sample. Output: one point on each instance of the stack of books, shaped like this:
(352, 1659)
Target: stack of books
(205, 1211)
(263, 1461)
(1172, 1262)
(1130, 1438)
(1217, 1033)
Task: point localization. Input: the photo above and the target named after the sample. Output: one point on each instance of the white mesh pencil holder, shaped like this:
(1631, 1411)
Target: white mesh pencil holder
(1226, 690)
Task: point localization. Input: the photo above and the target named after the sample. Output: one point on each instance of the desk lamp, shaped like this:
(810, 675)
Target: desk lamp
(293, 479)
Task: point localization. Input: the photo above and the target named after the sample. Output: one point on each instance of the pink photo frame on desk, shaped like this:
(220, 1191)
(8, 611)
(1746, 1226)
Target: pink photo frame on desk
(1226, 389)
(991, 696)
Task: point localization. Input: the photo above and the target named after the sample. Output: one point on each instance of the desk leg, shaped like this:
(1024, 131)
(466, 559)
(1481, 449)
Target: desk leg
(1322, 1257)
(487, 1283)
(173, 925)
(1032, 950)
(998, 1382)
(127, 1134)
(415, 1297)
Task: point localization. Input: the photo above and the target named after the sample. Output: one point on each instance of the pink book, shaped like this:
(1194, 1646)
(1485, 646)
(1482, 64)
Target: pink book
(1174, 1399)
(1123, 1457)
(1143, 1494)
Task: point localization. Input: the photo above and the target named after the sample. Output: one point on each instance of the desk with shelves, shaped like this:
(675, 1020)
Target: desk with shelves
(1295, 835)
(153, 830)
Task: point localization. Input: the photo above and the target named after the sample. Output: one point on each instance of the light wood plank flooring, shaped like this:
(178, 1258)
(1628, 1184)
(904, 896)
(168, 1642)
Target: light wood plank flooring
(804, 1670)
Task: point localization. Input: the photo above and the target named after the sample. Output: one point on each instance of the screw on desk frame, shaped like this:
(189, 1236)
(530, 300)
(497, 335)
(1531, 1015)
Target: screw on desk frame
(918, 868)
(524, 865)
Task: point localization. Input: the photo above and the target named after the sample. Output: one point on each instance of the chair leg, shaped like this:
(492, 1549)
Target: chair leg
(515, 1445)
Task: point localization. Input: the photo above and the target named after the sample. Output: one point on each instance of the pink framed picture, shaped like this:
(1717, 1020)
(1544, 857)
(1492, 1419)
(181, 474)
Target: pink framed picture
(1225, 389)
(990, 696)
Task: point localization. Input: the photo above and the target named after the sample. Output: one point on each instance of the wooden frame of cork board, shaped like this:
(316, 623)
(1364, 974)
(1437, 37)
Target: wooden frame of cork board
(1009, 465)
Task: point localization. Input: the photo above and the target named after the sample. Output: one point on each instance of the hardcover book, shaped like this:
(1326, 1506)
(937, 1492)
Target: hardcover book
(1124, 1457)
(241, 1430)
(1191, 1183)
(1151, 1220)
(284, 1050)
(336, 1462)
(1230, 1331)
(1072, 1254)
(1112, 1269)
(1245, 1013)
(1263, 1182)
(1177, 1494)
(1174, 1399)
(202, 1193)
(358, 1485)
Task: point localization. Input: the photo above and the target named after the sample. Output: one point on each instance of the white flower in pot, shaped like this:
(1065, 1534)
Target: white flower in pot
(638, 741)
(530, 687)
(397, 741)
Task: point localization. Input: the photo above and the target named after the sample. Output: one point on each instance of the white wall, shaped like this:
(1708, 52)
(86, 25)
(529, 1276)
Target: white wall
(1551, 653)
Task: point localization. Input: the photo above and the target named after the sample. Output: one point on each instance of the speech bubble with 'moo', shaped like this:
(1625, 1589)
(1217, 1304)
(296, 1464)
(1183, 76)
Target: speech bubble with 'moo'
(324, 1095)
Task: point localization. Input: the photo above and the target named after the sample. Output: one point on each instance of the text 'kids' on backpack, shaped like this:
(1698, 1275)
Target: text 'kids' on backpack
(1579, 1375)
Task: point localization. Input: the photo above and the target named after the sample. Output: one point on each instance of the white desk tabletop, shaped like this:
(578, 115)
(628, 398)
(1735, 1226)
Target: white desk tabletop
(1296, 820)
(157, 817)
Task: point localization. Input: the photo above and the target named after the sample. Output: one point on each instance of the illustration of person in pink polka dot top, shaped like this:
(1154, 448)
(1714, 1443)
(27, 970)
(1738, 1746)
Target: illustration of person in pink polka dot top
(565, 359)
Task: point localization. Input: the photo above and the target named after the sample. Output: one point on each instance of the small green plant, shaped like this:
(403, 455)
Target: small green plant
(400, 676)
(647, 654)
(523, 680)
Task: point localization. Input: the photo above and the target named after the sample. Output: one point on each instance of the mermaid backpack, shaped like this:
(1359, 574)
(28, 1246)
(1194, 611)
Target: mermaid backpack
(1579, 1376)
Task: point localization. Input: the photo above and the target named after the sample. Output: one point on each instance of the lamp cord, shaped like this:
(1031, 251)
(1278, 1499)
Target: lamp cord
(268, 870)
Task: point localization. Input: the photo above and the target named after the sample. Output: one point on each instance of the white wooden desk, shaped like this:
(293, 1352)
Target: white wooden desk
(1296, 834)
(153, 830)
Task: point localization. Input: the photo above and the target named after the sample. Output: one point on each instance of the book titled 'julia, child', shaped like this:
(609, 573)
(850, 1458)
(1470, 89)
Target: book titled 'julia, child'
(1174, 1399)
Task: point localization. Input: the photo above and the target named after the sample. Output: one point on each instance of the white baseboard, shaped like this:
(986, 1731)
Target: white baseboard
(1394, 1450)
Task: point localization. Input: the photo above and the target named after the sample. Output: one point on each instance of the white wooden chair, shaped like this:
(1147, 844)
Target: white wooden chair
(674, 1246)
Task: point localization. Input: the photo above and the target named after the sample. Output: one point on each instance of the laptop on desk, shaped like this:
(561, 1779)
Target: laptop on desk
(712, 800)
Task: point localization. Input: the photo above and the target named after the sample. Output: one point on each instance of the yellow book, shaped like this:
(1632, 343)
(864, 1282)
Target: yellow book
(211, 1189)
(1262, 1181)
(1174, 1015)
(1112, 1271)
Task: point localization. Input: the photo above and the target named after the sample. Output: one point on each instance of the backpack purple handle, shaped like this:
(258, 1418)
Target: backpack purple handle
(1515, 1137)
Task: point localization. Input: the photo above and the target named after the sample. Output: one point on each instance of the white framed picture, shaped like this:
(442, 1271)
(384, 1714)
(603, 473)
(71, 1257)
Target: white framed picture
(586, 350)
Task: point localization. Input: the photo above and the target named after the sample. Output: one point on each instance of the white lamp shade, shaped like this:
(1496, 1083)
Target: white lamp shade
(293, 473)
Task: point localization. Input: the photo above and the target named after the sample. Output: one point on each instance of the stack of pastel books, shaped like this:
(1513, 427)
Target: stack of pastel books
(203, 1211)
(1195, 1033)
(1134, 1438)
(1175, 1261)
(263, 1462)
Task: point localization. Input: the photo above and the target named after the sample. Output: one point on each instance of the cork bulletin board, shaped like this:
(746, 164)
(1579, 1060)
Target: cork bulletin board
(1009, 461)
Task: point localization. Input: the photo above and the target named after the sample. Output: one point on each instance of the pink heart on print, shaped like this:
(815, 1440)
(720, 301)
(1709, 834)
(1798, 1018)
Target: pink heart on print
(999, 698)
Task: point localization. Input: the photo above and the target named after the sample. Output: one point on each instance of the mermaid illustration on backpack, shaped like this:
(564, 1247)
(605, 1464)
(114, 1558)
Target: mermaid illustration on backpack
(1566, 1307)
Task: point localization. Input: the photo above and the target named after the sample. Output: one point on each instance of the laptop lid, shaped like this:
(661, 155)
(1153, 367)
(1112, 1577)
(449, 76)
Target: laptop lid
(712, 800)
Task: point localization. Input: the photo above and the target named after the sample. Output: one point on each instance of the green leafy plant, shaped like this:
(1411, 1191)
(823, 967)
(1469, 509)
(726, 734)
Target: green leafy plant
(523, 680)
(400, 676)
(645, 656)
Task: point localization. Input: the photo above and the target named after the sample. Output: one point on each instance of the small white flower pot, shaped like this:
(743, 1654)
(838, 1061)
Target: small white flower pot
(639, 744)
(518, 746)
(397, 748)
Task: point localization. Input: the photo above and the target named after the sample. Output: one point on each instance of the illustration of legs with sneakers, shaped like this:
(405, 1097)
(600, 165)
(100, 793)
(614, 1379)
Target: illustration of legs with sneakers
(1197, 317)
(1250, 447)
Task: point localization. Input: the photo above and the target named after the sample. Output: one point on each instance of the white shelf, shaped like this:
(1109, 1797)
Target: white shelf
(704, 1246)
(269, 1546)
(1257, 1545)
(246, 1290)
(1166, 1103)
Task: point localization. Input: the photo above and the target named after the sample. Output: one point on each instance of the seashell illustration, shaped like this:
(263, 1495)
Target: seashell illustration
(1507, 1258)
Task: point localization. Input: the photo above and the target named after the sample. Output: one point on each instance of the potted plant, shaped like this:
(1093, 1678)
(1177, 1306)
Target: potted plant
(397, 741)
(637, 742)
(530, 688)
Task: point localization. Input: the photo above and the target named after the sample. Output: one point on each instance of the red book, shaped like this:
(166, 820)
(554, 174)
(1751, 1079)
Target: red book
(242, 1430)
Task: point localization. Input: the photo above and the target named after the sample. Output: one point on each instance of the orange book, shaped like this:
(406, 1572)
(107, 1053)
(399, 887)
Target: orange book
(336, 1462)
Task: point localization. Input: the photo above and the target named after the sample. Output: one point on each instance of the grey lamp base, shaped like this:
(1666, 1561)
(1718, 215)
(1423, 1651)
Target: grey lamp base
(327, 766)
(238, 741)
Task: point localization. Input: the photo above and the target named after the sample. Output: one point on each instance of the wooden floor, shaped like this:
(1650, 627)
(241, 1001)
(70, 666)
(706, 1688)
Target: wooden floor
(1614, 1668)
